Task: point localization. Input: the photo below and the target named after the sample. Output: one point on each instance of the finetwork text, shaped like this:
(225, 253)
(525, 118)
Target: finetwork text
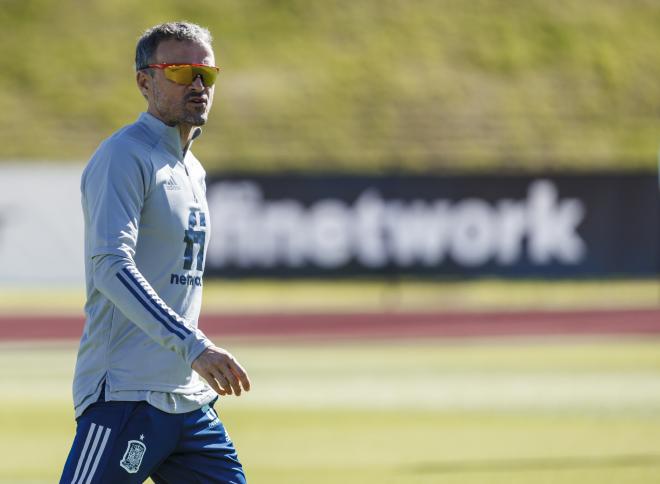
(375, 231)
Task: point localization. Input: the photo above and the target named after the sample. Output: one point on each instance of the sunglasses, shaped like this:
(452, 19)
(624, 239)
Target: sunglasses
(185, 74)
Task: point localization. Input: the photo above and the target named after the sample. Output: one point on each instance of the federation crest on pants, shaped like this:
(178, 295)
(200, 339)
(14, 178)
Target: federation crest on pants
(133, 456)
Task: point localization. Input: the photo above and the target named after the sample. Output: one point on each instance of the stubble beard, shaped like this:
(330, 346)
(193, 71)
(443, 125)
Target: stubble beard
(193, 117)
(185, 115)
(174, 115)
(196, 115)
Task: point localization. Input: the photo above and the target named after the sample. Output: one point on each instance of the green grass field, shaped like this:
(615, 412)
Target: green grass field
(571, 411)
(365, 85)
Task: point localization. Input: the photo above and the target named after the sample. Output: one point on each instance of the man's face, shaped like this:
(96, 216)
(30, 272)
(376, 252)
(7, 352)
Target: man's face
(173, 103)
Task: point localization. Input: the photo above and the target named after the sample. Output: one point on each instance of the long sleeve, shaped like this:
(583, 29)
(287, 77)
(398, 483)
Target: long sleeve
(121, 282)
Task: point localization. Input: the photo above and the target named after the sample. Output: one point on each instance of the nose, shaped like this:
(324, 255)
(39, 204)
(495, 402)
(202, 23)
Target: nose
(197, 83)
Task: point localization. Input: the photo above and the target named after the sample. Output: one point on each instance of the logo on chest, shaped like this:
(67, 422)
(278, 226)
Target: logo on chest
(195, 238)
(171, 184)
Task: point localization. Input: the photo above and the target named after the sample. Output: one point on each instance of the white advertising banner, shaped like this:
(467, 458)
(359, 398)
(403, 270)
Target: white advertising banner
(41, 224)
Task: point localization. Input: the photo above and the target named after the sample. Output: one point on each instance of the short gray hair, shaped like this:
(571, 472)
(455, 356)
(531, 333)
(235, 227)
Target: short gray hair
(151, 38)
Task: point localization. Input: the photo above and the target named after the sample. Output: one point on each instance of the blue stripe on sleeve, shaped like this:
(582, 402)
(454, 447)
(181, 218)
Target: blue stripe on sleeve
(146, 306)
(178, 324)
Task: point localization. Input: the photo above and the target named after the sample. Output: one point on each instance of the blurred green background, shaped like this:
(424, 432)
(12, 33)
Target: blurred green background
(345, 85)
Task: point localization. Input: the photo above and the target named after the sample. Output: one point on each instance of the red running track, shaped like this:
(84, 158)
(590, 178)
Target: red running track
(375, 325)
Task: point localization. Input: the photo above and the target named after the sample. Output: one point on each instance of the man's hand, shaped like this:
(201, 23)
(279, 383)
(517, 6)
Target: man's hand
(221, 370)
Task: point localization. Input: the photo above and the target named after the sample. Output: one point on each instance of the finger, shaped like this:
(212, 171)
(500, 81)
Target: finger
(211, 381)
(240, 373)
(222, 382)
(232, 379)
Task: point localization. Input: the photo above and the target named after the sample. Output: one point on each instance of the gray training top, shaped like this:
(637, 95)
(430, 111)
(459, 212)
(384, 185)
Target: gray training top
(146, 233)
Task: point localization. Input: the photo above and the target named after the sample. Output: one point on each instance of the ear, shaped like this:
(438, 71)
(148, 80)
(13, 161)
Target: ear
(143, 80)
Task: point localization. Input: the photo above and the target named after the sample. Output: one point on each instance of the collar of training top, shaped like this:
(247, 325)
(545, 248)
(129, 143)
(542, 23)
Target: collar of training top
(169, 135)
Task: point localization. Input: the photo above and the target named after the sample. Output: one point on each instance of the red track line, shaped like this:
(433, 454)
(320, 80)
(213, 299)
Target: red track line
(375, 325)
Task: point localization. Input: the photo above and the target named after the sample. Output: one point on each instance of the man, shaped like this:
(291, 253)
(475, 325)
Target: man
(141, 410)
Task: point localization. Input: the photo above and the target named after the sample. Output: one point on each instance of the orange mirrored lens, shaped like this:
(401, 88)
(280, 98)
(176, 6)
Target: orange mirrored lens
(185, 74)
